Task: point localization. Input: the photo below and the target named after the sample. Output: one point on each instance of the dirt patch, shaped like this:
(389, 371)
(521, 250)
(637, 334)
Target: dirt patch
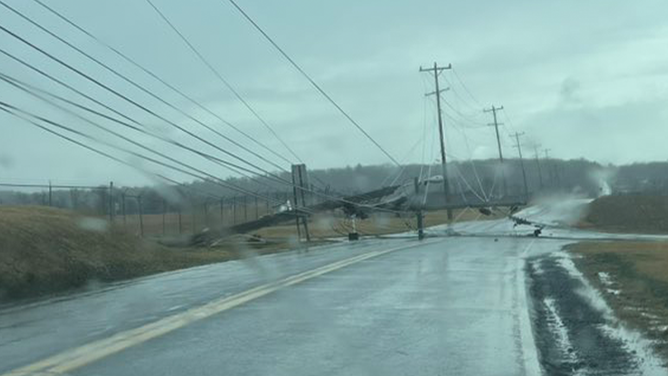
(633, 278)
(628, 213)
(46, 250)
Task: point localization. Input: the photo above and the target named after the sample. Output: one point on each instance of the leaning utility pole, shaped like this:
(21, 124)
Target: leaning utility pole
(498, 143)
(524, 174)
(446, 188)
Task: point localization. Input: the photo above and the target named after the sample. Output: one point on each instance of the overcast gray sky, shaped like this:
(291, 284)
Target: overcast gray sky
(585, 79)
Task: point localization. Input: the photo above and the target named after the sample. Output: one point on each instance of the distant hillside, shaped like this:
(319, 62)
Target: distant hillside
(629, 213)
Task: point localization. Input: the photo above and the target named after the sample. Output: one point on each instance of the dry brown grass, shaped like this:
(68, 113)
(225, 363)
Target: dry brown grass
(45, 250)
(639, 271)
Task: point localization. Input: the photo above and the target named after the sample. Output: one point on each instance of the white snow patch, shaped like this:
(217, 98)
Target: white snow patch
(605, 278)
(588, 291)
(537, 269)
(636, 344)
(559, 329)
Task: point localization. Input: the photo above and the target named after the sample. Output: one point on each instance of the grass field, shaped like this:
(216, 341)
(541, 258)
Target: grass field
(45, 250)
(633, 277)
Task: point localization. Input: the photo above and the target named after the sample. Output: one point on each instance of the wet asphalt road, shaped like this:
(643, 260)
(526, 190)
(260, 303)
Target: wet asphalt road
(447, 306)
(452, 307)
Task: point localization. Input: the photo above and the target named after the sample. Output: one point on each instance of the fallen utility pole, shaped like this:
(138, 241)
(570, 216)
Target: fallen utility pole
(498, 143)
(436, 70)
(518, 145)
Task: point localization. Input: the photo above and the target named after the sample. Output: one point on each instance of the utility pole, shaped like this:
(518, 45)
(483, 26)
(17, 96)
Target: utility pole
(524, 174)
(498, 143)
(436, 70)
(299, 184)
(549, 165)
(540, 174)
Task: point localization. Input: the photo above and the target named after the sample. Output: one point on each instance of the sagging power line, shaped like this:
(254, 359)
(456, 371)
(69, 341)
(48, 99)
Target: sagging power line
(222, 79)
(313, 83)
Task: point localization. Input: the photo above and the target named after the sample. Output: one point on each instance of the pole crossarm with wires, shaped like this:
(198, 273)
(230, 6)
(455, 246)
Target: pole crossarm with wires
(436, 71)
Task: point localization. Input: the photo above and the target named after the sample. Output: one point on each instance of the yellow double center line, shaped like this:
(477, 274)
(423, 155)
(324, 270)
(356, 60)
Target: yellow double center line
(77, 357)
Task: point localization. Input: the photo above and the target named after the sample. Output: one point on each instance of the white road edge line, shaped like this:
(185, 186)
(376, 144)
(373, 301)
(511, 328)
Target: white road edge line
(78, 357)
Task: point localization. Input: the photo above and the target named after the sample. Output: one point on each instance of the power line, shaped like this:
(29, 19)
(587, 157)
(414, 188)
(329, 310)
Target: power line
(7, 109)
(226, 164)
(466, 102)
(222, 79)
(122, 96)
(162, 81)
(136, 104)
(23, 114)
(133, 83)
(475, 123)
(127, 98)
(32, 91)
(466, 88)
(315, 85)
(280, 180)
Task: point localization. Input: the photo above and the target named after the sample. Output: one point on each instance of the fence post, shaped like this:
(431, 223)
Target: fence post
(206, 213)
(257, 209)
(125, 219)
(50, 194)
(111, 201)
(245, 209)
(193, 214)
(180, 226)
(222, 215)
(164, 213)
(141, 216)
(234, 210)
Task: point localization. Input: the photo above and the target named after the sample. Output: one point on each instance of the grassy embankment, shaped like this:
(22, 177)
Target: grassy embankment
(45, 250)
(631, 275)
